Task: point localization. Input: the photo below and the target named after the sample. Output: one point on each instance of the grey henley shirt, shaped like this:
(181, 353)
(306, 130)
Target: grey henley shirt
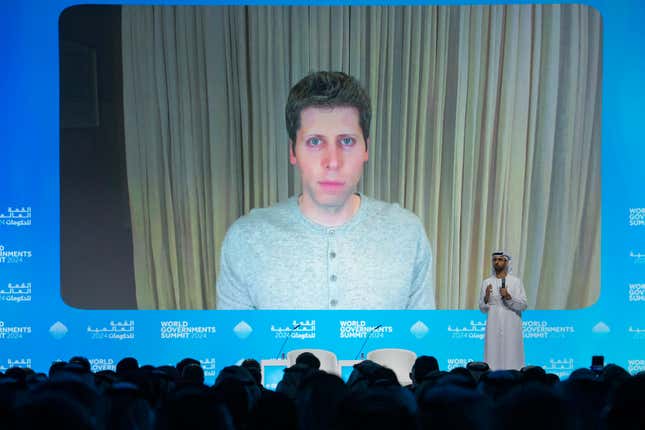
(276, 258)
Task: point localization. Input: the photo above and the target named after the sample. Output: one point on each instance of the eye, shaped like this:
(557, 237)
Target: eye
(347, 141)
(314, 141)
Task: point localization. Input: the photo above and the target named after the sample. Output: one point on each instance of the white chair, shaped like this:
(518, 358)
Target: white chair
(399, 360)
(328, 360)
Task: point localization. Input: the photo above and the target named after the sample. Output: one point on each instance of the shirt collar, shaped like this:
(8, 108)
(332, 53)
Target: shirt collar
(356, 219)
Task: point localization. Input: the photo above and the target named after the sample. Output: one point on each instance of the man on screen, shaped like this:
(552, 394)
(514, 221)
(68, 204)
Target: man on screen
(502, 298)
(329, 247)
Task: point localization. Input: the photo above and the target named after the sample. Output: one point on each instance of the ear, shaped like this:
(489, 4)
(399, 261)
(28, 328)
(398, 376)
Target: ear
(292, 153)
(366, 154)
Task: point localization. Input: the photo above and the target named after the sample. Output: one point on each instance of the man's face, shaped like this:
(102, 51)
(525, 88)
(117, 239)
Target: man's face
(500, 263)
(329, 152)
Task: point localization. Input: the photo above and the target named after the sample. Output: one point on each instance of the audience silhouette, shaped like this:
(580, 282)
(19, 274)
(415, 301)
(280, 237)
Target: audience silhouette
(72, 396)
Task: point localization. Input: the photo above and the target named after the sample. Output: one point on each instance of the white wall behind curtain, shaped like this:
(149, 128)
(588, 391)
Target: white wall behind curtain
(486, 124)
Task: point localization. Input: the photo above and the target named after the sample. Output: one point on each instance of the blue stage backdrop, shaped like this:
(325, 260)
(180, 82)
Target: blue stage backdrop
(37, 327)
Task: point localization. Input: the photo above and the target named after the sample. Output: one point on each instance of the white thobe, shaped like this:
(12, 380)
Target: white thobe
(504, 344)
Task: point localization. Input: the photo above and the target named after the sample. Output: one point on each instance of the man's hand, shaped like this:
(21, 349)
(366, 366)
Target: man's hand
(505, 294)
(489, 288)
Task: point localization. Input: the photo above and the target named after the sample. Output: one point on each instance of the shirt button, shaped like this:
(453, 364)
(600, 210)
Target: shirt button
(333, 302)
(332, 255)
(332, 278)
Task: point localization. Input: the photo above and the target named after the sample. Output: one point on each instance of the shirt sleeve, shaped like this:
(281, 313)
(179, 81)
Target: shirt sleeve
(518, 298)
(231, 290)
(484, 307)
(422, 289)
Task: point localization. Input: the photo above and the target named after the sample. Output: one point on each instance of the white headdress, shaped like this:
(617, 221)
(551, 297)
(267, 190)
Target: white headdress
(509, 268)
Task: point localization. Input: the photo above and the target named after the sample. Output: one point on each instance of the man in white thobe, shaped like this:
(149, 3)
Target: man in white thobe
(502, 298)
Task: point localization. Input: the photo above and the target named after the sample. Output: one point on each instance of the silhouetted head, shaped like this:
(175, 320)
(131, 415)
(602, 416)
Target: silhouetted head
(309, 360)
(422, 366)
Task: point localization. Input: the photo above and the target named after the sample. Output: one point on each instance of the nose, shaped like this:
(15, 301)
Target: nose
(333, 158)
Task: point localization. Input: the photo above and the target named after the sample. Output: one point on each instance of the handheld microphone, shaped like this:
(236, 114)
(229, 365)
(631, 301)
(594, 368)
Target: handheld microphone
(503, 282)
(360, 351)
(286, 339)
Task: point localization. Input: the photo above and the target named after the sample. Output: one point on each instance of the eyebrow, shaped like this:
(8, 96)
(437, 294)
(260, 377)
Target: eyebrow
(347, 134)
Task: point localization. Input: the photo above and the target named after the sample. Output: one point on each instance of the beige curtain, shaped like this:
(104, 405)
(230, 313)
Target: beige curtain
(486, 124)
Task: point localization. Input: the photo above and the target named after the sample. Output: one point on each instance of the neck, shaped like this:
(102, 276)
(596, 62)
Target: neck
(501, 274)
(329, 216)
